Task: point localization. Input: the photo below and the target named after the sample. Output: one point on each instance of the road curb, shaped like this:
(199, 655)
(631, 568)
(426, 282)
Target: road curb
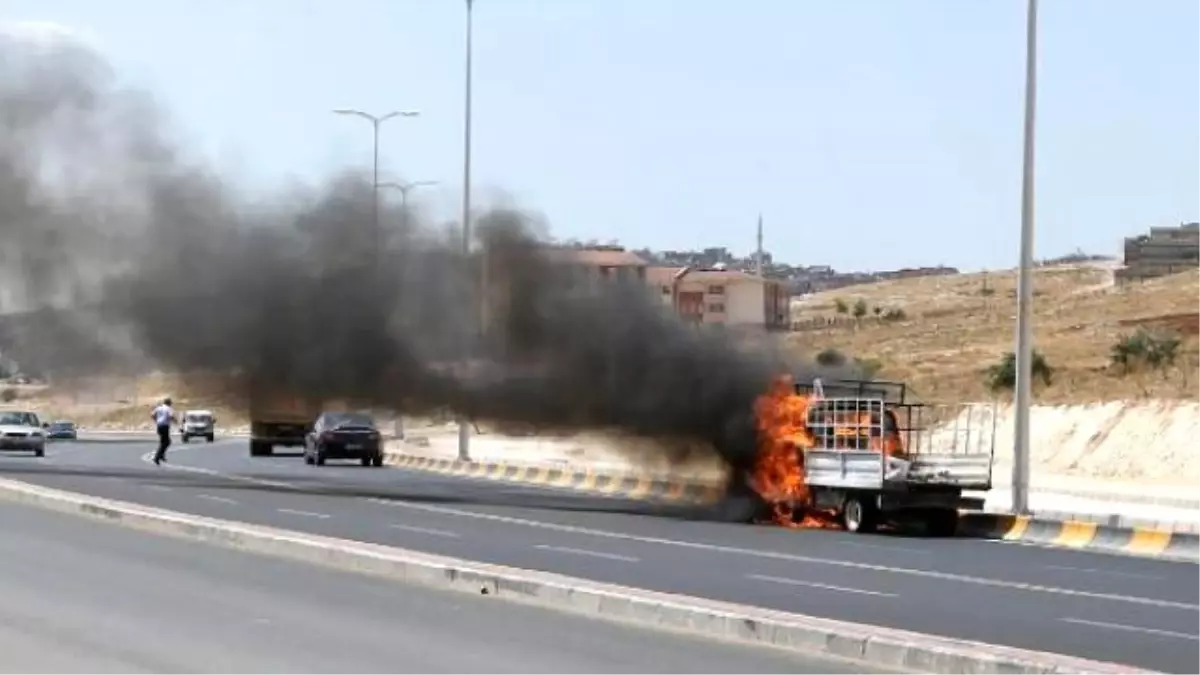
(888, 648)
(597, 483)
(1083, 535)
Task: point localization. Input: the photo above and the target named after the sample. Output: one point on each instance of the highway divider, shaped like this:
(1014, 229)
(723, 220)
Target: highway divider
(608, 484)
(1065, 532)
(1149, 542)
(882, 647)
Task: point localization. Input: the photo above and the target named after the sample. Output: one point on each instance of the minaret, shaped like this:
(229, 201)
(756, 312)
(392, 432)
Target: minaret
(758, 253)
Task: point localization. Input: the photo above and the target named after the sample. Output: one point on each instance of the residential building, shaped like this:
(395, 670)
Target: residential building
(722, 296)
(1165, 250)
(594, 264)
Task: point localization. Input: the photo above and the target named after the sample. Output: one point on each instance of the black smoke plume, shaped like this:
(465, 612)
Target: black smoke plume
(302, 293)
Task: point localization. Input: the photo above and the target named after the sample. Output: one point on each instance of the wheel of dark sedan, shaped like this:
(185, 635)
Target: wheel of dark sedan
(377, 461)
(40, 452)
(366, 461)
(319, 459)
(209, 438)
(858, 514)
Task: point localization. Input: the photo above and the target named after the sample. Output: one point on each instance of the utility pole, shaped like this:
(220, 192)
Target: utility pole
(1024, 353)
(464, 432)
(376, 122)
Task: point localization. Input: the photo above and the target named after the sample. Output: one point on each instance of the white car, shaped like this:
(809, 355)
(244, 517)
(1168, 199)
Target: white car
(197, 423)
(21, 430)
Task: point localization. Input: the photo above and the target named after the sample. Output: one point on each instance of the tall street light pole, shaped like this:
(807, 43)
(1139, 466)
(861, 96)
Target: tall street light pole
(404, 189)
(1024, 353)
(376, 122)
(464, 433)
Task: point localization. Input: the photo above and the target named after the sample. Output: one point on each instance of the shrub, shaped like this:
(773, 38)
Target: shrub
(8, 395)
(896, 314)
(831, 358)
(860, 308)
(841, 306)
(876, 310)
(1003, 375)
(1144, 348)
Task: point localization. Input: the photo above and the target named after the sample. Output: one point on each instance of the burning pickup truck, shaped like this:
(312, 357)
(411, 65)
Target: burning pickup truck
(856, 453)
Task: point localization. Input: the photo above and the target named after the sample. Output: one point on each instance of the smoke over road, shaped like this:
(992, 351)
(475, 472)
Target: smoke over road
(299, 291)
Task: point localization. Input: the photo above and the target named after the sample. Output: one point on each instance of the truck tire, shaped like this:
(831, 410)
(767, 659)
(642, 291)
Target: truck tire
(859, 514)
(209, 438)
(377, 461)
(366, 461)
(259, 449)
(941, 522)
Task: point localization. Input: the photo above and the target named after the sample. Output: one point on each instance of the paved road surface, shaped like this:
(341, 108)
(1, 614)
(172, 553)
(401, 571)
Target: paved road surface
(88, 598)
(1129, 610)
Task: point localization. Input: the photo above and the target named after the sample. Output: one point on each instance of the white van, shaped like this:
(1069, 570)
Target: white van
(195, 423)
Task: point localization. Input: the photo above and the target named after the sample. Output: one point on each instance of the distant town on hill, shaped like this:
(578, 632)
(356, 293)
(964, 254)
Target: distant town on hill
(800, 278)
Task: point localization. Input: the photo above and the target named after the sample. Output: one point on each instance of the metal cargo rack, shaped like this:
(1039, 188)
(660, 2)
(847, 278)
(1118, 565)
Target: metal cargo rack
(852, 423)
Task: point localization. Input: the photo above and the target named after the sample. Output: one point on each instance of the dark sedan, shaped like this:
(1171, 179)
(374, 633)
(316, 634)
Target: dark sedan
(62, 430)
(342, 435)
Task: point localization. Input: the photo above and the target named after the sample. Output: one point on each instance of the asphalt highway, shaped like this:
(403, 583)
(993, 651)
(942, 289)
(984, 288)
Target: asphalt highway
(1129, 610)
(88, 598)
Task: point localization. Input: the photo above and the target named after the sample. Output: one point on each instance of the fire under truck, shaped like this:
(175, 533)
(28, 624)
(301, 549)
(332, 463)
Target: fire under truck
(877, 456)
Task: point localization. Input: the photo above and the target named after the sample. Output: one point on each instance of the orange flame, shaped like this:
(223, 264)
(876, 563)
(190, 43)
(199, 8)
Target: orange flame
(778, 474)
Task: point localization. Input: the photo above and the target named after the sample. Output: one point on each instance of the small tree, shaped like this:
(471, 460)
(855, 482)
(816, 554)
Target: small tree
(831, 358)
(1003, 375)
(1145, 348)
(896, 314)
(860, 308)
(842, 307)
(876, 310)
(8, 395)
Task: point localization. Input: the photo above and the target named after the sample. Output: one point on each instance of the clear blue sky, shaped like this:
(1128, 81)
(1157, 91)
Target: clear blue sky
(872, 134)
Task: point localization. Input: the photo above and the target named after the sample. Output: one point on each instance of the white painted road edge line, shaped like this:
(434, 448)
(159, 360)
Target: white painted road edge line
(890, 648)
(584, 552)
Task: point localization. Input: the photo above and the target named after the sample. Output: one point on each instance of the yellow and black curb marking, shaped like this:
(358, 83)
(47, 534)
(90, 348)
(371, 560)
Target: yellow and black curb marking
(616, 485)
(1076, 534)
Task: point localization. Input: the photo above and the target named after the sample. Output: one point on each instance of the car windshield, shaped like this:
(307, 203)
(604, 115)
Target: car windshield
(350, 420)
(19, 419)
(198, 417)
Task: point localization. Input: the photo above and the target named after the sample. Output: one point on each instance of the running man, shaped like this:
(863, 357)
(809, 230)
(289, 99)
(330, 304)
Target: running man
(163, 416)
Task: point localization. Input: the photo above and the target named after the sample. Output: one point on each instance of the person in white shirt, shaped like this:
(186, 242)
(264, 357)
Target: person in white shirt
(163, 416)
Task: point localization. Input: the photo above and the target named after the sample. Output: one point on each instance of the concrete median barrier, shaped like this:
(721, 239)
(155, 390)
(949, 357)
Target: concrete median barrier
(611, 484)
(1081, 534)
(889, 648)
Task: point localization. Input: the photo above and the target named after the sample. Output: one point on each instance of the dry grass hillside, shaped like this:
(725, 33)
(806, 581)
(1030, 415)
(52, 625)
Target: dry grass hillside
(953, 328)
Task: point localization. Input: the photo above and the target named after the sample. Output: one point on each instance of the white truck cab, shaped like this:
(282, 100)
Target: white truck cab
(197, 423)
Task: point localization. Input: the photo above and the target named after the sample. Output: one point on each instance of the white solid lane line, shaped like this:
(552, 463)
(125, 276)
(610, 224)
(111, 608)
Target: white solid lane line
(424, 530)
(773, 555)
(777, 555)
(811, 584)
(157, 488)
(1132, 629)
(307, 514)
(1088, 570)
(585, 552)
(215, 498)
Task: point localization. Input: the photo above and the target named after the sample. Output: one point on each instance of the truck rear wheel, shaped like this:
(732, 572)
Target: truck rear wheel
(259, 449)
(859, 514)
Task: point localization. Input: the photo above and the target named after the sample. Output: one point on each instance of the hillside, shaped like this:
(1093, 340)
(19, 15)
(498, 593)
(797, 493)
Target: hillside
(954, 327)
